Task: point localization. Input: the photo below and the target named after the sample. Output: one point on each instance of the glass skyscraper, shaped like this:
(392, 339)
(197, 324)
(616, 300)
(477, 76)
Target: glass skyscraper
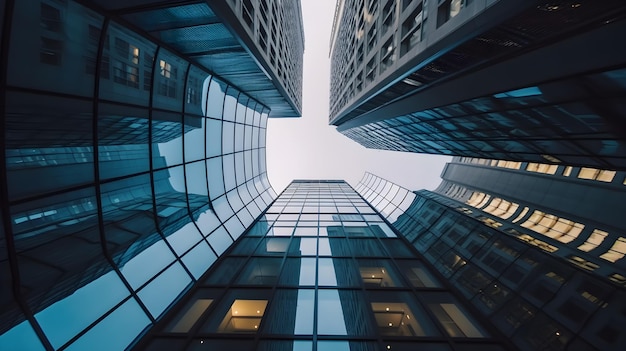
(548, 277)
(320, 270)
(534, 81)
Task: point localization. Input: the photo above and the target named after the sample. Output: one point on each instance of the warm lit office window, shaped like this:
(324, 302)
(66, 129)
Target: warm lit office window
(509, 164)
(475, 199)
(617, 251)
(542, 168)
(393, 318)
(501, 208)
(595, 239)
(521, 215)
(554, 227)
(244, 316)
(596, 174)
(567, 171)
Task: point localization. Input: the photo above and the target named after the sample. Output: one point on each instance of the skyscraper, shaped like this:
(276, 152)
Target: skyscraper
(133, 155)
(514, 80)
(539, 253)
(321, 270)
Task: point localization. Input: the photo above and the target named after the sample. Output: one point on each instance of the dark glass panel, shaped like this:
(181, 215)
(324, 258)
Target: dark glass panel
(49, 145)
(126, 66)
(123, 133)
(63, 49)
(167, 139)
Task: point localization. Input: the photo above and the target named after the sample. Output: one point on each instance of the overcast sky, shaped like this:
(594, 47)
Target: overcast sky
(308, 148)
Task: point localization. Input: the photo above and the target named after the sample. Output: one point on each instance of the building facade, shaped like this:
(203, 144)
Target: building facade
(321, 270)
(549, 278)
(514, 80)
(130, 161)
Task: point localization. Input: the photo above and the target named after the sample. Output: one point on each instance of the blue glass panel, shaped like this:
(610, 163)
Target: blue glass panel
(228, 137)
(213, 137)
(167, 140)
(197, 88)
(21, 337)
(215, 103)
(199, 259)
(147, 263)
(184, 238)
(328, 345)
(164, 289)
(116, 331)
(123, 141)
(216, 177)
(197, 186)
(326, 272)
(330, 315)
(220, 240)
(304, 312)
(194, 137)
(67, 317)
(229, 171)
(230, 104)
(49, 145)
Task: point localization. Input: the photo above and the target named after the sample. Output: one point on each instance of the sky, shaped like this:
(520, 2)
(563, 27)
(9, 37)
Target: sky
(309, 148)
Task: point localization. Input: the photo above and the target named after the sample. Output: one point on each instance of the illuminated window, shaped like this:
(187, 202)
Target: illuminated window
(501, 208)
(542, 168)
(475, 199)
(596, 174)
(617, 251)
(595, 239)
(554, 227)
(521, 215)
(567, 171)
(244, 316)
(483, 202)
(509, 164)
(393, 318)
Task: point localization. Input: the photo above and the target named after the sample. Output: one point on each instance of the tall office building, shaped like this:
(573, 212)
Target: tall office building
(536, 81)
(132, 157)
(537, 249)
(321, 270)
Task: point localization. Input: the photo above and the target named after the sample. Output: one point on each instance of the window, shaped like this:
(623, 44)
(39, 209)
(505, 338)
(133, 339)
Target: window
(244, 316)
(50, 18)
(454, 321)
(616, 252)
(596, 174)
(595, 239)
(51, 51)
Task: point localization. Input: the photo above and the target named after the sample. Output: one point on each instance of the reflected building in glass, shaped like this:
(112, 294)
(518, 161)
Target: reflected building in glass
(537, 249)
(133, 156)
(533, 81)
(321, 270)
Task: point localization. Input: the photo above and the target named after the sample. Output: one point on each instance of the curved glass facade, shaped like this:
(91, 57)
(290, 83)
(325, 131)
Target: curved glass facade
(533, 294)
(127, 171)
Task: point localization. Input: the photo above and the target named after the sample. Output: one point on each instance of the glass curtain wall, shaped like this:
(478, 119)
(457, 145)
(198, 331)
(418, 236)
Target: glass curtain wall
(529, 292)
(320, 270)
(126, 172)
